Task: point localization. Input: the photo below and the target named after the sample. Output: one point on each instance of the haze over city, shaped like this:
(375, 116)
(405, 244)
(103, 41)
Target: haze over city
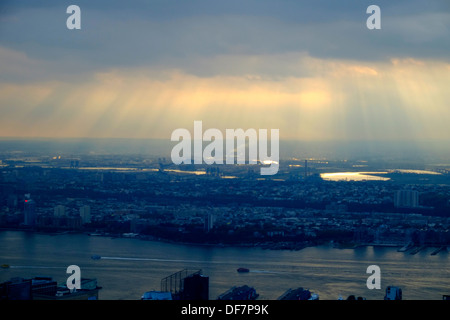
(309, 68)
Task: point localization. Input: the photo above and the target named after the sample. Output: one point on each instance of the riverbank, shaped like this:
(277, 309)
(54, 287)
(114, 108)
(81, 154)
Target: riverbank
(266, 245)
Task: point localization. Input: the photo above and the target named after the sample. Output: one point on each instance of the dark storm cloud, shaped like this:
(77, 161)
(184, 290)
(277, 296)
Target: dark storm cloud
(143, 68)
(185, 34)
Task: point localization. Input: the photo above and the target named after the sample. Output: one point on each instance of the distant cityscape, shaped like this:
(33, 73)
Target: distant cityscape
(150, 198)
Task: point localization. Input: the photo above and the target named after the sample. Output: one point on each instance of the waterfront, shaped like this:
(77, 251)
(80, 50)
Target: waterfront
(354, 176)
(134, 266)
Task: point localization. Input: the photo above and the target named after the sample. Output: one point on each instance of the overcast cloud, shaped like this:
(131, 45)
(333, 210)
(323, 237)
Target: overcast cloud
(143, 68)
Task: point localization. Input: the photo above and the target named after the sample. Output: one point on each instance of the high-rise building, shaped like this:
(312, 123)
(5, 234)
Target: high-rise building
(60, 211)
(406, 199)
(209, 222)
(85, 213)
(29, 210)
(195, 287)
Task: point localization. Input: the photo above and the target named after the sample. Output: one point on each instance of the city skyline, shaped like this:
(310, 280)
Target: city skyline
(141, 70)
(275, 149)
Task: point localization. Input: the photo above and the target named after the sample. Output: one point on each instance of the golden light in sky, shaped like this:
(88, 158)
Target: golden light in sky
(383, 100)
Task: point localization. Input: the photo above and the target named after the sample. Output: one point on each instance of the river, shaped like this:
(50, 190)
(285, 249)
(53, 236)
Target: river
(130, 267)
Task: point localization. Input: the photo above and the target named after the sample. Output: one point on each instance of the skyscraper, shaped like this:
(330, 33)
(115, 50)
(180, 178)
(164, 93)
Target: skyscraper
(209, 222)
(29, 210)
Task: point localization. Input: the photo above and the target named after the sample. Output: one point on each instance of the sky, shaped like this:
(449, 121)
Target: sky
(310, 68)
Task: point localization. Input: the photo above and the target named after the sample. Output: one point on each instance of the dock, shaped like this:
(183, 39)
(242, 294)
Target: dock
(239, 293)
(435, 252)
(417, 249)
(298, 294)
(406, 247)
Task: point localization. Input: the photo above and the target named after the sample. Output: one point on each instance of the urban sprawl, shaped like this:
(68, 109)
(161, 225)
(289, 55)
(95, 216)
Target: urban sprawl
(133, 196)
